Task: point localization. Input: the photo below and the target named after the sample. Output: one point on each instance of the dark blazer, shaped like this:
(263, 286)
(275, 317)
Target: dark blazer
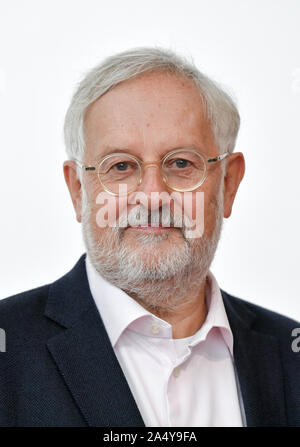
(59, 368)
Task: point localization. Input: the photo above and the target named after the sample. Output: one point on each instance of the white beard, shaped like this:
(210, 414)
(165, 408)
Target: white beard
(160, 278)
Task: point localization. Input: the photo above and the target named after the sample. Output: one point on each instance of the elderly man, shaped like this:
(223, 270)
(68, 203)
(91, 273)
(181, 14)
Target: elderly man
(138, 332)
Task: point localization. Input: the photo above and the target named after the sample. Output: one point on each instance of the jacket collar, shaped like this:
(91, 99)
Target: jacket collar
(69, 296)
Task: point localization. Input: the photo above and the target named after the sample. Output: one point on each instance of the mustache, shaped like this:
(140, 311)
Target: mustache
(163, 216)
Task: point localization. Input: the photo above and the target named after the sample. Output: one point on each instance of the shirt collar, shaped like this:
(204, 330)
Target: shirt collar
(216, 315)
(119, 311)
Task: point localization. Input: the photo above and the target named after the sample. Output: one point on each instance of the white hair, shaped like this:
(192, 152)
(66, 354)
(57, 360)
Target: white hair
(219, 108)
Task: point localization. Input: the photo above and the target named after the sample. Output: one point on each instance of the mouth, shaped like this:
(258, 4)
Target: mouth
(150, 228)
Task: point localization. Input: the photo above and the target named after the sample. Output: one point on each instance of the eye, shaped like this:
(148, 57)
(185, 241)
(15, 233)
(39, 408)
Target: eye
(121, 166)
(182, 163)
(179, 163)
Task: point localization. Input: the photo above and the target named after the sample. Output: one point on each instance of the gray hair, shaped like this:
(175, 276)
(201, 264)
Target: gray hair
(219, 108)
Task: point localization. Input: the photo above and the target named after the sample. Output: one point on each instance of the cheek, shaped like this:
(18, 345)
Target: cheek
(210, 214)
(213, 207)
(200, 208)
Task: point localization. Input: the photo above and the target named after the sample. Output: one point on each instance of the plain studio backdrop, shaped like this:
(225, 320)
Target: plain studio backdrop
(252, 47)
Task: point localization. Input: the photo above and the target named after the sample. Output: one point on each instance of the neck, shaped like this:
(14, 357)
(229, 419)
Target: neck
(186, 318)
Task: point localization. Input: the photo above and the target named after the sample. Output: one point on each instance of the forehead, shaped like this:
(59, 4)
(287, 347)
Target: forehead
(160, 111)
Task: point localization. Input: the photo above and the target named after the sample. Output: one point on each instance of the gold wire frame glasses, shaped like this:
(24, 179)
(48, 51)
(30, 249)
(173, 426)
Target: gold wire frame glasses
(181, 170)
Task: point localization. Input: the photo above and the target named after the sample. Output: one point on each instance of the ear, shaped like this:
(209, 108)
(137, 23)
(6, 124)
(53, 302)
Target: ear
(235, 169)
(74, 186)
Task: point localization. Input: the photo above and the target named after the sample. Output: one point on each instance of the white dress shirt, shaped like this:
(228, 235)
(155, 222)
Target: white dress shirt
(189, 382)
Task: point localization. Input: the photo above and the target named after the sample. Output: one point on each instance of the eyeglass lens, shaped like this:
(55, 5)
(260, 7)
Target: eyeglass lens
(180, 170)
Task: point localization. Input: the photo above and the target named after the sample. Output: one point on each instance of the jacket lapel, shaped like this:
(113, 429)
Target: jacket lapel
(258, 364)
(84, 355)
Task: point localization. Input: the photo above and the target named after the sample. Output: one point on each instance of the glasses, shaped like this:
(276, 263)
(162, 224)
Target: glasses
(181, 170)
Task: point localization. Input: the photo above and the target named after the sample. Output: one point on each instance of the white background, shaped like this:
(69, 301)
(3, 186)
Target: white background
(250, 46)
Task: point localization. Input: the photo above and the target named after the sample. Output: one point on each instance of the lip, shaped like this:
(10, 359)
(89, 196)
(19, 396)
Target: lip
(150, 228)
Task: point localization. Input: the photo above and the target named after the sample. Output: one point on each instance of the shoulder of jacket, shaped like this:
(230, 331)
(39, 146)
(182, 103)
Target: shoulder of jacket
(22, 315)
(264, 320)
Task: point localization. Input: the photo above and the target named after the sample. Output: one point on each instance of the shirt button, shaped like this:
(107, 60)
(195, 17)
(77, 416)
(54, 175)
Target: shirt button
(176, 371)
(155, 329)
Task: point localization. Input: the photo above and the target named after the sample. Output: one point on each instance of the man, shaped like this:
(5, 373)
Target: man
(138, 332)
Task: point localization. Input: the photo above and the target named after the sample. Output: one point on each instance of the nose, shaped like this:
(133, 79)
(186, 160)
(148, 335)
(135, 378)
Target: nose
(152, 182)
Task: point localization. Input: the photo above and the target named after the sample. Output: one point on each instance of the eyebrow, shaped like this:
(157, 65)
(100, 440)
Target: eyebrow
(114, 149)
(111, 150)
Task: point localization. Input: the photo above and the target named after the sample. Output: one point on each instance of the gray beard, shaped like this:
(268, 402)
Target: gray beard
(160, 279)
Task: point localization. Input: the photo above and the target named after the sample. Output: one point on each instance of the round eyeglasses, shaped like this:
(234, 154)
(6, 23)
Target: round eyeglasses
(181, 170)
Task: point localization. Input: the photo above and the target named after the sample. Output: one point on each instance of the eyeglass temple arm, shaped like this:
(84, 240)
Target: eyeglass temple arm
(218, 158)
(86, 168)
